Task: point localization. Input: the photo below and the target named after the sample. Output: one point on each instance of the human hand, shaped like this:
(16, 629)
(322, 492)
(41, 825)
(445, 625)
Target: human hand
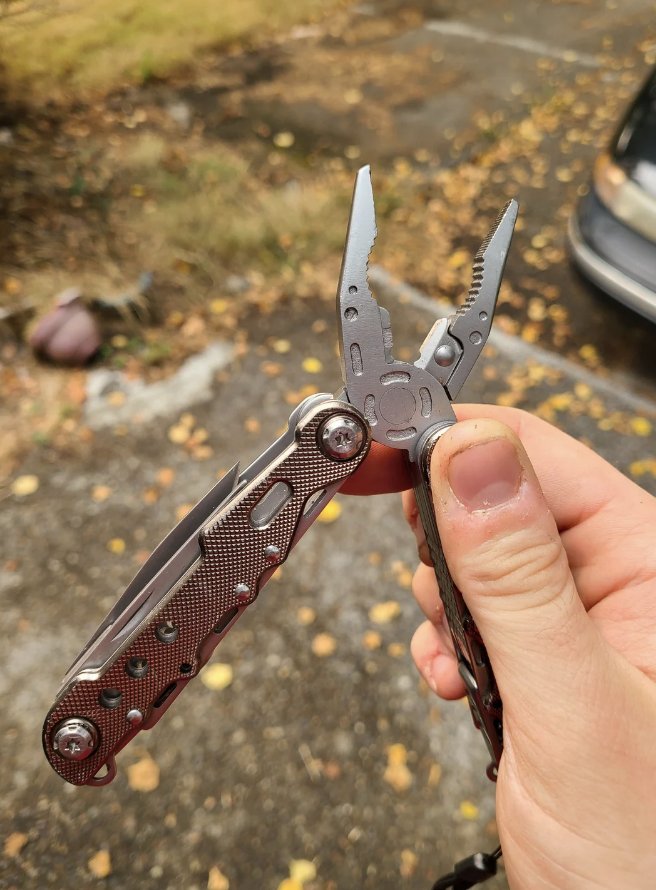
(557, 563)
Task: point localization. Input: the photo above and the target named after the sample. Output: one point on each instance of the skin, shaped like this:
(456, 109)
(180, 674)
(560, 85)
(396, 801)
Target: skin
(560, 577)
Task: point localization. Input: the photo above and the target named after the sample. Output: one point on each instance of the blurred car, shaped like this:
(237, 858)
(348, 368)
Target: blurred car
(612, 235)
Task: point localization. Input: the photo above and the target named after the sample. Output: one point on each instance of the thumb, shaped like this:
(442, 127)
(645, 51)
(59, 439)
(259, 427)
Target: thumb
(506, 557)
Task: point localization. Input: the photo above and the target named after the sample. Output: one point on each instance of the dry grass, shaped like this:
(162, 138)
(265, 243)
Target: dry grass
(95, 45)
(216, 214)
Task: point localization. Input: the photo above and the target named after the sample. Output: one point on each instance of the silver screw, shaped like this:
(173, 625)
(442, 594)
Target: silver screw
(134, 717)
(444, 356)
(75, 738)
(242, 592)
(271, 553)
(341, 437)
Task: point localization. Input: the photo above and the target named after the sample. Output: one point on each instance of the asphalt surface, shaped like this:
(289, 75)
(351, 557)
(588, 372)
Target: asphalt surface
(238, 787)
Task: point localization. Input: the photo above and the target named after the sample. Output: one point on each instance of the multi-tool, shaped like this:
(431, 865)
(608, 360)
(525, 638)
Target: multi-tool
(215, 562)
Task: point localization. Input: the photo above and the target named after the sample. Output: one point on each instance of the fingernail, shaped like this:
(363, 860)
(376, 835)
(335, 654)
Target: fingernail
(485, 475)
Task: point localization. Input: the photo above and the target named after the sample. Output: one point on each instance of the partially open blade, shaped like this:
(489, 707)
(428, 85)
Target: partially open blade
(472, 322)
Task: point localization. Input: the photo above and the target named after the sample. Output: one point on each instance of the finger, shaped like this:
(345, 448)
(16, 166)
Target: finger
(383, 471)
(436, 664)
(427, 593)
(505, 554)
(411, 514)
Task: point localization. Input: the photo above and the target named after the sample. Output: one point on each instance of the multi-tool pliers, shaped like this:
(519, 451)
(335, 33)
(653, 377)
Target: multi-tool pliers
(215, 562)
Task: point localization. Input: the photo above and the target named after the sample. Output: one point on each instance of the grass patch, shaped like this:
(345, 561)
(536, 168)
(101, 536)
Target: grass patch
(97, 45)
(217, 215)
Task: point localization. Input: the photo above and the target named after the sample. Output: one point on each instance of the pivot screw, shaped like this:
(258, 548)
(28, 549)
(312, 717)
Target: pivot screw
(75, 739)
(242, 592)
(271, 553)
(341, 437)
(134, 717)
(445, 356)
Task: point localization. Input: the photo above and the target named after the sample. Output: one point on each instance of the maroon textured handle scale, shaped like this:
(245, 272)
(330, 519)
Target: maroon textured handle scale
(473, 661)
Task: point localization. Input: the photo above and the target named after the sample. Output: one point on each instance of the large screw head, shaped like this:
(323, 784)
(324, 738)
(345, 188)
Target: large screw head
(75, 738)
(341, 437)
(445, 355)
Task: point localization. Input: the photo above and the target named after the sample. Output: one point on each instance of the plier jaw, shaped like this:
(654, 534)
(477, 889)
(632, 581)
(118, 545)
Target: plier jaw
(402, 401)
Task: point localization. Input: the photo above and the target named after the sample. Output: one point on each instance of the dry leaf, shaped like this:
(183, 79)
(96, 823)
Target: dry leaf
(289, 884)
(24, 485)
(284, 139)
(165, 476)
(398, 776)
(151, 494)
(468, 810)
(217, 880)
(116, 399)
(302, 870)
(187, 420)
(13, 286)
(306, 615)
(434, 775)
(640, 426)
(271, 369)
(312, 365)
(374, 558)
(216, 676)
(408, 863)
(100, 865)
(100, 493)
(15, 843)
(281, 346)
(383, 613)
(372, 640)
(219, 306)
(143, 775)
(182, 510)
(323, 645)
(178, 434)
(116, 546)
(252, 425)
(396, 650)
(330, 512)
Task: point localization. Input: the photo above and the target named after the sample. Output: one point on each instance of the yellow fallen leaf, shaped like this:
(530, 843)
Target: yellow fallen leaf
(24, 485)
(165, 476)
(383, 613)
(119, 341)
(15, 843)
(100, 865)
(640, 426)
(143, 775)
(100, 493)
(187, 420)
(216, 676)
(182, 510)
(353, 96)
(583, 391)
(150, 495)
(372, 640)
(302, 870)
(252, 425)
(323, 645)
(458, 259)
(306, 615)
(281, 346)
(374, 558)
(331, 512)
(589, 355)
(640, 467)
(397, 754)
(468, 810)
(116, 546)
(13, 286)
(396, 650)
(284, 139)
(178, 434)
(289, 884)
(408, 863)
(217, 880)
(434, 775)
(137, 190)
(312, 365)
(398, 776)
(271, 369)
(116, 399)
(218, 306)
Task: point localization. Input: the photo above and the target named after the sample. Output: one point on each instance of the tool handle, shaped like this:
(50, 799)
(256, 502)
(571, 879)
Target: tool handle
(473, 661)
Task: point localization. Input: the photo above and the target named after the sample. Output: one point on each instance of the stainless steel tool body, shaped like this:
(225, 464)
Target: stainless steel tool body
(215, 562)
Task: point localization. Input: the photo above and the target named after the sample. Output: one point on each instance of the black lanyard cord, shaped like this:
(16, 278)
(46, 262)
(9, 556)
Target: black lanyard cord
(470, 871)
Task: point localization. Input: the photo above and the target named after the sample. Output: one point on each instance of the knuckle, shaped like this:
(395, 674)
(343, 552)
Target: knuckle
(524, 561)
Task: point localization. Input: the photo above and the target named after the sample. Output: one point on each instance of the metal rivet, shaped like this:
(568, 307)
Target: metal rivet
(75, 739)
(444, 356)
(242, 592)
(351, 313)
(341, 437)
(134, 717)
(353, 289)
(271, 553)
(475, 337)
(482, 316)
